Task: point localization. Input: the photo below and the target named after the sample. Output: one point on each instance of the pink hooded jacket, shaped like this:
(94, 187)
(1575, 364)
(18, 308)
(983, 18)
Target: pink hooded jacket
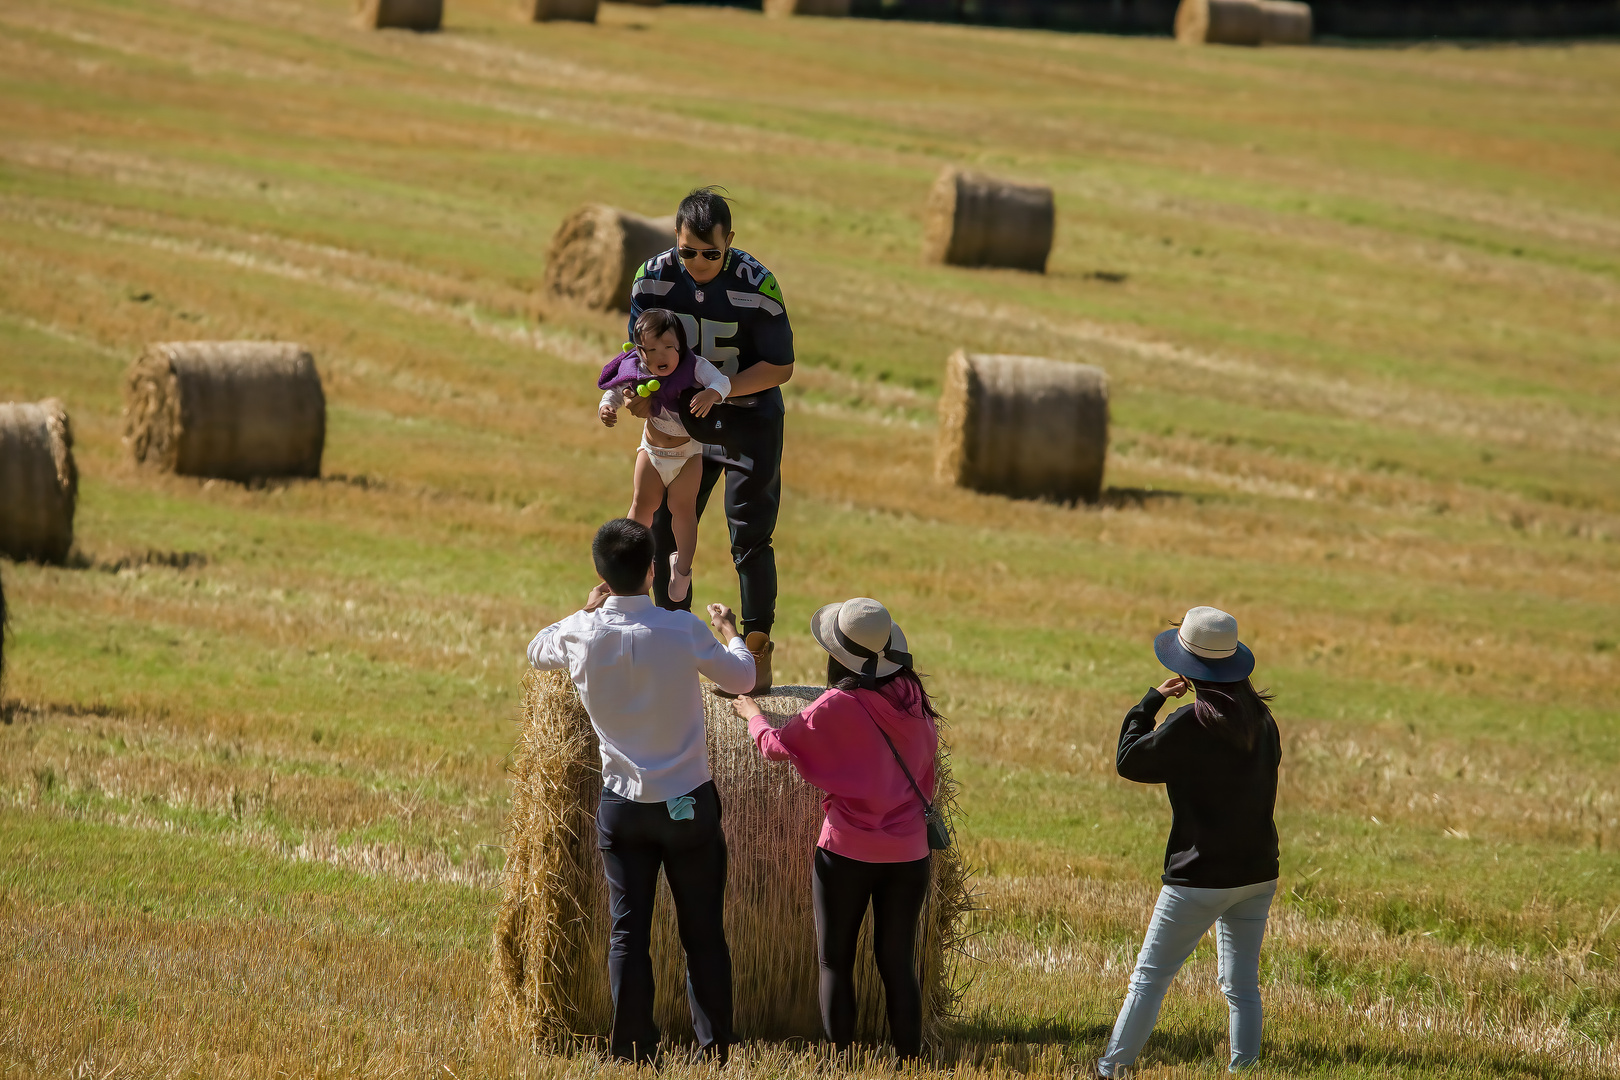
(872, 813)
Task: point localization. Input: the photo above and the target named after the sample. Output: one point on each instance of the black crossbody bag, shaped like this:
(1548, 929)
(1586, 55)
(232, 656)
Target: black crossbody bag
(939, 833)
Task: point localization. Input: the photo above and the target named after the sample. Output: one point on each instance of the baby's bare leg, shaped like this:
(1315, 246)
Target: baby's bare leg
(649, 491)
(683, 516)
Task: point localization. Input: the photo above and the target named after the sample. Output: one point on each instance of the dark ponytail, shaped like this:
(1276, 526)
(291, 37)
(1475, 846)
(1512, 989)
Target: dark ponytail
(840, 677)
(1235, 712)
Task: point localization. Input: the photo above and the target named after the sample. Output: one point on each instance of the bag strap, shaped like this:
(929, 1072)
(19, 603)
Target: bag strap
(928, 807)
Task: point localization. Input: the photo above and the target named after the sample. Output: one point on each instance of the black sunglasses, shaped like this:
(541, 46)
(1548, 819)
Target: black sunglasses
(712, 254)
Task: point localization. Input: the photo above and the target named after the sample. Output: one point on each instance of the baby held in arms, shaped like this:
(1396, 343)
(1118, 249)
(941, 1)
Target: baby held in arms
(660, 367)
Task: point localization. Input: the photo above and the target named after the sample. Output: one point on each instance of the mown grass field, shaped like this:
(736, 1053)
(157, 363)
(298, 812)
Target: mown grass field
(1365, 362)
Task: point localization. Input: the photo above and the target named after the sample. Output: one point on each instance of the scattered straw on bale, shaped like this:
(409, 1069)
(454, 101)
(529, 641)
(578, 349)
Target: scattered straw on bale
(835, 9)
(399, 14)
(595, 252)
(549, 971)
(237, 410)
(39, 483)
(569, 11)
(977, 220)
(1023, 426)
(1285, 22)
(1219, 22)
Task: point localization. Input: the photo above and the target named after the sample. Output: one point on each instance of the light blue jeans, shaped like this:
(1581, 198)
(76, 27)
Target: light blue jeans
(1180, 919)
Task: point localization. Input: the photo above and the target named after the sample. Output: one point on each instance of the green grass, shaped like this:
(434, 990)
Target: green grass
(1365, 394)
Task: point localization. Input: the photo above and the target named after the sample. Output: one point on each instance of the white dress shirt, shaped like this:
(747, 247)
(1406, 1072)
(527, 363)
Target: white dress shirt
(637, 667)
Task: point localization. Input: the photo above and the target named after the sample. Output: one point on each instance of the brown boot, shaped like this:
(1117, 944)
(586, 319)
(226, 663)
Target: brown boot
(761, 645)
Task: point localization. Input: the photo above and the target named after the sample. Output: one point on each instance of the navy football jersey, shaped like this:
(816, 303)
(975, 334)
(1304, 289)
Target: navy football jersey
(735, 321)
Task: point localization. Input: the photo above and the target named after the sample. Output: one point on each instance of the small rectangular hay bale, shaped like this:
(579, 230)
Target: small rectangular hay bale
(558, 10)
(549, 982)
(976, 220)
(833, 9)
(1219, 22)
(1285, 22)
(400, 14)
(236, 410)
(39, 481)
(1023, 426)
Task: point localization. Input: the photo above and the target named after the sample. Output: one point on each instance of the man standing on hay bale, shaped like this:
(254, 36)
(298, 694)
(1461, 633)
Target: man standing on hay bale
(636, 667)
(735, 318)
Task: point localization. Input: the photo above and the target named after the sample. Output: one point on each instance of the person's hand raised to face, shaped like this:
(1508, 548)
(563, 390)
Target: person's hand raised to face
(1175, 686)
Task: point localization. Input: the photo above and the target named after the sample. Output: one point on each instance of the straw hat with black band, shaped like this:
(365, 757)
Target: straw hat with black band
(860, 635)
(1205, 647)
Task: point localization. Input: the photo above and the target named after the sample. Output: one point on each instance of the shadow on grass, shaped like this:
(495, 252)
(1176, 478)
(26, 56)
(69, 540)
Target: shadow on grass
(1023, 1046)
(1317, 1053)
(1121, 498)
(27, 711)
(79, 559)
(1042, 1030)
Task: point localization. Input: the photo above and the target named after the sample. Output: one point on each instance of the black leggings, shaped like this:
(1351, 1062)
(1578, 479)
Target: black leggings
(843, 888)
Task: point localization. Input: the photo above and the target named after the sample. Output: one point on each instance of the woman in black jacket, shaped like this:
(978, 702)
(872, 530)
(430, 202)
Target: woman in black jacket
(1218, 760)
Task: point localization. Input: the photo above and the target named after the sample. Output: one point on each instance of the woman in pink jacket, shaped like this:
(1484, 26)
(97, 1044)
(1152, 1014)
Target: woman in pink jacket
(858, 742)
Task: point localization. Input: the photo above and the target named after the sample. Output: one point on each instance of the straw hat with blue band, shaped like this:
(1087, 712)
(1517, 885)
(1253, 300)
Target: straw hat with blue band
(860, 635)
(1205, 647)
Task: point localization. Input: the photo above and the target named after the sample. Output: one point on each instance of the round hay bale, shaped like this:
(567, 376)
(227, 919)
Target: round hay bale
(237, 410)
(1285, 22)
(549, 970)
(39, 483)
(1023, 426)
(836, 9)
(1219, 22)
(977, 220)
(595, 252)
(569, 11)
(399, 14)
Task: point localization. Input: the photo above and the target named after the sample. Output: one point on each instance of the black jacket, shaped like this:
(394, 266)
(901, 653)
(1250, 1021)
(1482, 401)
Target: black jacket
(1222, 835)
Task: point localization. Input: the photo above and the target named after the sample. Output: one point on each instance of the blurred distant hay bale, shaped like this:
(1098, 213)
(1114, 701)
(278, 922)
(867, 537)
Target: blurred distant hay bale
(1285, 22)
(549, 970)
(1219, 22)
(830, 8)
(1023, 426)
(238, 410)
(399, 14)
(977, 220)
(565, 11)
(39, 483)
(595, 252)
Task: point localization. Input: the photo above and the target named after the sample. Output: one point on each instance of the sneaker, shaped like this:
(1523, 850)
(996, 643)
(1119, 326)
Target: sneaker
(680, 585)
(761, 645)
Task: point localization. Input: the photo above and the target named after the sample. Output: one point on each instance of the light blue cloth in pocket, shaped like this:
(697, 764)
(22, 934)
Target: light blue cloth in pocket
(680, 808)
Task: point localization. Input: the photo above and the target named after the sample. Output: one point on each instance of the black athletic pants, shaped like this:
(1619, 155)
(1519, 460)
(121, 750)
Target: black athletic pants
(842, 889)
(753, 466)
(636, 839)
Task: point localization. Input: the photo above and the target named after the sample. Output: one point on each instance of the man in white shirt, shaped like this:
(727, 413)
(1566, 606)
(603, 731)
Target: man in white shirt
(636, 666)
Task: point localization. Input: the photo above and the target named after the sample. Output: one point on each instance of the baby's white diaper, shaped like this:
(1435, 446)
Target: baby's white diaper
(669, 460)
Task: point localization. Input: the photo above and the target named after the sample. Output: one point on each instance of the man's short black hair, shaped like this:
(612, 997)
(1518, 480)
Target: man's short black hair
(706, 212)
(623, 553)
